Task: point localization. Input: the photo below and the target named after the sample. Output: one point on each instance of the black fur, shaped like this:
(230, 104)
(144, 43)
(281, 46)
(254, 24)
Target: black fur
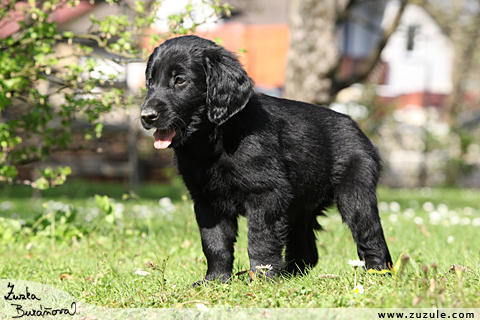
(279, 163)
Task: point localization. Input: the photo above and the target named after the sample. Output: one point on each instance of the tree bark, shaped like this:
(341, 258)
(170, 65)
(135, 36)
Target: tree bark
(465, 43)
(314, 53)
(314, 56)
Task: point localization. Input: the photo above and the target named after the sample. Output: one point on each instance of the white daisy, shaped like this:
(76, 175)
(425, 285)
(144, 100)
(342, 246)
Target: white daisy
(201, 307)
(356, 263)
(359, 289)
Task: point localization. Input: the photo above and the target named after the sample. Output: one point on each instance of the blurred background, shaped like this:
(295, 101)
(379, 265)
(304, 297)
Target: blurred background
(88, 205)
(406, 71)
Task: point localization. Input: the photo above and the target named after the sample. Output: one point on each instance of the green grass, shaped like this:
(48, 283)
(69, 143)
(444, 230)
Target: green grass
(103, 258)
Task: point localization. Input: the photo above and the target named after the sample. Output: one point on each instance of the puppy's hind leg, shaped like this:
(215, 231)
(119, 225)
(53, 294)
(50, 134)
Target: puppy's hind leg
(356, 200)
(301, 249)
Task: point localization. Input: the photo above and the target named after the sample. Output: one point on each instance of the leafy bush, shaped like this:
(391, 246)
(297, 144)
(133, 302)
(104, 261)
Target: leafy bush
(42, 91)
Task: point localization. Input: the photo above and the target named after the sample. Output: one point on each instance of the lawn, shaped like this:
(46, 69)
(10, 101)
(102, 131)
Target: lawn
(144, 251)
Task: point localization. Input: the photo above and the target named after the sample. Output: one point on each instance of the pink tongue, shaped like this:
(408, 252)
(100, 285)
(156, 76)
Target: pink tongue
(163, 139)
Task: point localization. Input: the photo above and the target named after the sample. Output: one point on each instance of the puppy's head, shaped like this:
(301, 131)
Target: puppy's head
(190, 80)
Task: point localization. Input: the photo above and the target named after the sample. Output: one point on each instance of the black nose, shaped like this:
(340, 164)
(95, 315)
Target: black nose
(149, 116)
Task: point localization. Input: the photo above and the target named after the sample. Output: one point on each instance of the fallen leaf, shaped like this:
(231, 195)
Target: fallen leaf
(241, 272)
(140, 272)
(416, 301)
(456, 268)
(65, 276)
(185, 244)
(433, 285)
(327, 276)
(252, 274)
(253, 295)
(423, 229)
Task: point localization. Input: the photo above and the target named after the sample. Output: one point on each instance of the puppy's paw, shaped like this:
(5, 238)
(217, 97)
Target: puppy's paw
(377, 264)
(264, 275)
(212, 279)
(198, 283)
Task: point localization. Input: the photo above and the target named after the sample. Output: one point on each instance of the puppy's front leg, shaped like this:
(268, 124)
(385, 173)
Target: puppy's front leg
(218, 233)
(267, 230)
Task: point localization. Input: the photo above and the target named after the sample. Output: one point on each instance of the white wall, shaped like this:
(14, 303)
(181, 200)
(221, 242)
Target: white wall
(426, 68)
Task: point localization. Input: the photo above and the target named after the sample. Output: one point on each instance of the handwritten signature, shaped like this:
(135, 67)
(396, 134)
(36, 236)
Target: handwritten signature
(39, 312)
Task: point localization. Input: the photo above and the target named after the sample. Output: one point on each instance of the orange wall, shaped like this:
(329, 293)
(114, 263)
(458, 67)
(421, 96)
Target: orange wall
(267, 45)
(267, 48)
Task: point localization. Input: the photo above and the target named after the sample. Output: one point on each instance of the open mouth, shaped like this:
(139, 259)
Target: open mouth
(163, 138)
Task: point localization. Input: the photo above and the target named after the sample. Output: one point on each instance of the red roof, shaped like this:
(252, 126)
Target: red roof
(9, 25)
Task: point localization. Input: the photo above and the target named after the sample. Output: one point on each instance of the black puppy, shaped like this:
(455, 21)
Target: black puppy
(279, 163)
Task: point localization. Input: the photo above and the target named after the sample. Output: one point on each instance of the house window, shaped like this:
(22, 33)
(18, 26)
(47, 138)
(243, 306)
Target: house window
(411, 32)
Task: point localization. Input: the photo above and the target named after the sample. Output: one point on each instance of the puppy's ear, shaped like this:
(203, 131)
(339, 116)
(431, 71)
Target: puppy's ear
(228, 86)
(148, 69)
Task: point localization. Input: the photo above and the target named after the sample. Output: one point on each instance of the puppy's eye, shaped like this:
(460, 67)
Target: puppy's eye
(179, 80)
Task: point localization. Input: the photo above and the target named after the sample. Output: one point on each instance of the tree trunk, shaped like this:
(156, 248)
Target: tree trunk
(465, 43)
(314, 53)
(314, 56)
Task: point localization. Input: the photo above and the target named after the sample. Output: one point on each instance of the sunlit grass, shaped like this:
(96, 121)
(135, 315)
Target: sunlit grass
(151, 254)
